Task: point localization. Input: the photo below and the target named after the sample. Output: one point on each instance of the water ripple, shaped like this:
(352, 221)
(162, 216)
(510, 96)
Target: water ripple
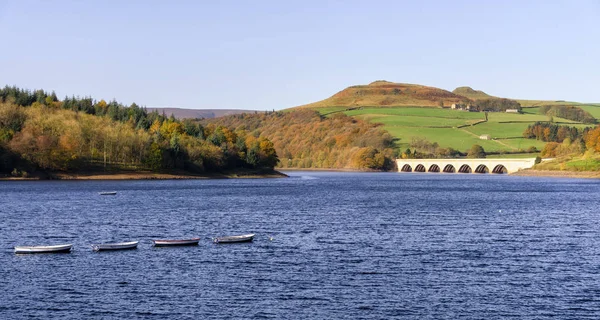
(328, 246)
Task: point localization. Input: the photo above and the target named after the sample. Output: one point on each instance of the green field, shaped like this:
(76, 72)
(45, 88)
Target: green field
(457, 129)
(521, 144)
(594, 110)
(454, 138)
(534, 110)
(511, 155)
(499, 130)
(572, 163)
(532, 103)
(418, 112)
(413, 121)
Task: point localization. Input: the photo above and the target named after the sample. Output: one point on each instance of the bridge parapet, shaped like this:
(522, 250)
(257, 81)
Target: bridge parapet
(465, 165)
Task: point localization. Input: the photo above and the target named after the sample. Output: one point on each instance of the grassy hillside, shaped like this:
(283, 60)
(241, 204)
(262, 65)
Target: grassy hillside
(455, 129)
(593, 109)
(411, 112)
(537, 103)
(389, 94)
(572, 162)
(478, 94)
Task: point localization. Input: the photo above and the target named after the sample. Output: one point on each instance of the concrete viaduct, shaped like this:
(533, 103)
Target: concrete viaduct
(464, 165)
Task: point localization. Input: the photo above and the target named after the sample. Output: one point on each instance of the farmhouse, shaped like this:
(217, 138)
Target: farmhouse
(512, 111)
(460, 106)
(485, 137)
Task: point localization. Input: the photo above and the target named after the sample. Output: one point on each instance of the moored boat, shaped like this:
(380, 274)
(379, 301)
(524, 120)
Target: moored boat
(235, 239)
(176, 242)
(107, 193)
(115, 246)
(61, 248)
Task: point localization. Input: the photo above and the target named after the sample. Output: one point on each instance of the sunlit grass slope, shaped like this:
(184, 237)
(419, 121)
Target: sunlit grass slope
(410, 111)
(455, 129)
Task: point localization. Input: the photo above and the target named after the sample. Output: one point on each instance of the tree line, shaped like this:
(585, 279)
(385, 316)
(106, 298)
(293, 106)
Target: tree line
(39, 132)
(563, 140)
(496, 104)
(568, 112)
(114, 110)
(551, 132)
(424, 149)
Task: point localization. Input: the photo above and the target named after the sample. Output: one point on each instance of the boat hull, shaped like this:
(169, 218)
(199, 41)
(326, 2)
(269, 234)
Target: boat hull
(115, 246)
(176, 243)
(63, 248)
(109, 193)
(235, 239)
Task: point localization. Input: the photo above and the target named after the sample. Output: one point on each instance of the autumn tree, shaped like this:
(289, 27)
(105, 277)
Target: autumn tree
(306, 139)
(476, 151)
(592, 139)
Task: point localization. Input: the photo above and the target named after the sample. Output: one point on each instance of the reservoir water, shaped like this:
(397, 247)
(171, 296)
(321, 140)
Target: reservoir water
(327, 246)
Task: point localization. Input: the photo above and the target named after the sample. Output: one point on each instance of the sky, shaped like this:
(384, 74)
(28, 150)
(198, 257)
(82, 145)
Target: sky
(266, 55)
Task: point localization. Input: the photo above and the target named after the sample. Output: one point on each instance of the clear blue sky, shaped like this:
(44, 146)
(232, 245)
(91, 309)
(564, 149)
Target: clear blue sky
(279, 54)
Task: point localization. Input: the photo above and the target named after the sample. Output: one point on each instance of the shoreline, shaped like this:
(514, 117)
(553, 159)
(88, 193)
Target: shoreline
(150, 176)
(521, 173)
(557, 174)
(146, 175)
(326, 169)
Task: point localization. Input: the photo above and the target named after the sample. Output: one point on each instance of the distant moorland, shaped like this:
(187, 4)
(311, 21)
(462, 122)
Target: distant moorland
(181, 113)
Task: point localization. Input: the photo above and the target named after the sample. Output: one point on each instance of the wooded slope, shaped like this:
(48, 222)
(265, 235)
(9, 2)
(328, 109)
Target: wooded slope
(38, 132)
(305, 139)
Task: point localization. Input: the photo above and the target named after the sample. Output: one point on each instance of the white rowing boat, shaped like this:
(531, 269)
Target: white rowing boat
(115, 246)
(176, 242)
(235, 239)
(108, 193)
(44, 249)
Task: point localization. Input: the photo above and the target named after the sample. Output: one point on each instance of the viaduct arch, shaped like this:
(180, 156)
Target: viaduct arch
(476, 166)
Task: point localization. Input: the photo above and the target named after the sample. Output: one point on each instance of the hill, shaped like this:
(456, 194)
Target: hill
(389, 94)
(383, 93)
(471, 93)
(411, 114)
(181, 113)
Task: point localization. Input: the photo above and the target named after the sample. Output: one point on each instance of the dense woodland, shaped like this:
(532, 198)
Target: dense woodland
(550, 132)
(568, 112)
(39, 132)
(564, 140)
(305, 139)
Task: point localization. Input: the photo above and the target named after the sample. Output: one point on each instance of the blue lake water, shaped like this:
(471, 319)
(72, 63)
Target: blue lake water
(344, 245)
